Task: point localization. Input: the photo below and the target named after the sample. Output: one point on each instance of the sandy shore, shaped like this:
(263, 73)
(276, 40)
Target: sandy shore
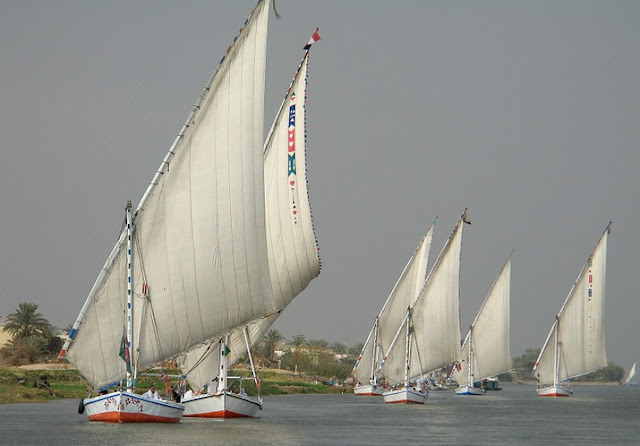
(53, 366)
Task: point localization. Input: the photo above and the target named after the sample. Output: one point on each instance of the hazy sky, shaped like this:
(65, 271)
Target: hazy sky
(527, 113)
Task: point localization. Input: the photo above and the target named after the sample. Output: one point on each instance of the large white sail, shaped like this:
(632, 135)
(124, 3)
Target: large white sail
(292, 245)
(435, 317)
(393, 311)
(489, 334)
(200, 263)
(579, 327)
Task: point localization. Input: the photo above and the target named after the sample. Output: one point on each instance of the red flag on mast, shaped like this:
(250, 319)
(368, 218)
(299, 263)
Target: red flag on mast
(314, 38)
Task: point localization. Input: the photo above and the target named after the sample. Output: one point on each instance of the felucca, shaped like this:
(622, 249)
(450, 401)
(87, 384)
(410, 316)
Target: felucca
(192, 263)
(575, 345)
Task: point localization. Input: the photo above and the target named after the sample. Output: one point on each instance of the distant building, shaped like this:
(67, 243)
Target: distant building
(4, 336)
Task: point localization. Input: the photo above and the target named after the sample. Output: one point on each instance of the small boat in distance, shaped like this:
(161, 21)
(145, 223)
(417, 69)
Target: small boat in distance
(491, 383)
(486, 348)
(408, 286)
(575, 345)
(632, 373)
(430, 328)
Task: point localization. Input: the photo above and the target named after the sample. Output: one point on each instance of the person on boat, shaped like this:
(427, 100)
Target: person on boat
(167, 382)
(213, 386)
(175, 396)
(152, 394)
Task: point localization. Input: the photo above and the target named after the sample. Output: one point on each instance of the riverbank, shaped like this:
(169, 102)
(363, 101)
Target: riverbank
(38, 383)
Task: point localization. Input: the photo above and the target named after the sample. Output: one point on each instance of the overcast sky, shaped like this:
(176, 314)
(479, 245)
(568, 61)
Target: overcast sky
(527, 113)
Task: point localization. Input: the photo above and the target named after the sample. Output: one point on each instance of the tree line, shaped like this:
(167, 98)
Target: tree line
(34, 339)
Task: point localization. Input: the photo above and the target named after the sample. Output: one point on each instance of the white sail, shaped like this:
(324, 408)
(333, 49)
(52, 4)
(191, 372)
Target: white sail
(435, 317)
(489, 334)
(579, 327)
(292, 246)
(200, 263)
(631, 374)
(393, 311)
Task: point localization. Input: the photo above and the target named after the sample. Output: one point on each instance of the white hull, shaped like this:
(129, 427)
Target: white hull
(405, 396)
(556, 390)
(221, 405)
(126, 407)
(469, 390)
(371, 390)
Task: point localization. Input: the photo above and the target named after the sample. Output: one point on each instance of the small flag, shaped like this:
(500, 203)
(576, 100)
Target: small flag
(465, 217)
(314, 38)
(124, 353)
(226, 350)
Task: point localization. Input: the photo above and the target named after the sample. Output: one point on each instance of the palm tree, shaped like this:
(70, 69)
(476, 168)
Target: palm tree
(25, 322)
(272, 338)
(297, 342)
(318, 344)
(339, 348)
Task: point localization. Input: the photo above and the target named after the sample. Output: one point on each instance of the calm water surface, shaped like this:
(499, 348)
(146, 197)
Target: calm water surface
(594, 415)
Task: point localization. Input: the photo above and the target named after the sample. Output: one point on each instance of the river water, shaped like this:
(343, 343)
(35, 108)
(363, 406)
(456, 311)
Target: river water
(602, 415)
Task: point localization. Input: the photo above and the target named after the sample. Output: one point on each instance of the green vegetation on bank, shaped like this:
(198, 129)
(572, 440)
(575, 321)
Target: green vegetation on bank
(33, 338)
(523, 364)
(285, 366)
(38, 386)
(21, 386)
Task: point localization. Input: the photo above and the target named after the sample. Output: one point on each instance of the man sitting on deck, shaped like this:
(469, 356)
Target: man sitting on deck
(151, 393)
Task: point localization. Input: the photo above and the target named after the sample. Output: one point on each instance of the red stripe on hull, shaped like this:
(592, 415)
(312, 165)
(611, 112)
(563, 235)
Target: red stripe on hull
(219, 414)
(126, 417)
(554, 394)
(368, 394)
(403, 402)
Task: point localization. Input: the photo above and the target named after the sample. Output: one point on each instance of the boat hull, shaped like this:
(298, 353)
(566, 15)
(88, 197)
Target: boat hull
(469, 390)
(557, 390)
(126, 407)
(221, 405)
(404, 396)
(491, 384)
(368, 391)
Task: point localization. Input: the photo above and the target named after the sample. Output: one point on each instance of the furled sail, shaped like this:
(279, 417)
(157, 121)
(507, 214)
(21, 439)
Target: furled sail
(393, 311)
(579, 326)
(489, 334)
(200, 263)
(435, 318)
(291, 241)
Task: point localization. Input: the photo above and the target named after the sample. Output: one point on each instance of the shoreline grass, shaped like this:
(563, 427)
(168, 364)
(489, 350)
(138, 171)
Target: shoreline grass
(17, 385)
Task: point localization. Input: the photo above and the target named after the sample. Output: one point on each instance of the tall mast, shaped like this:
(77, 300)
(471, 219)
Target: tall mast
(555, 356)
(374, 356)
(408, 350)
(129, 339)
(223, 364)
(470, 358)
